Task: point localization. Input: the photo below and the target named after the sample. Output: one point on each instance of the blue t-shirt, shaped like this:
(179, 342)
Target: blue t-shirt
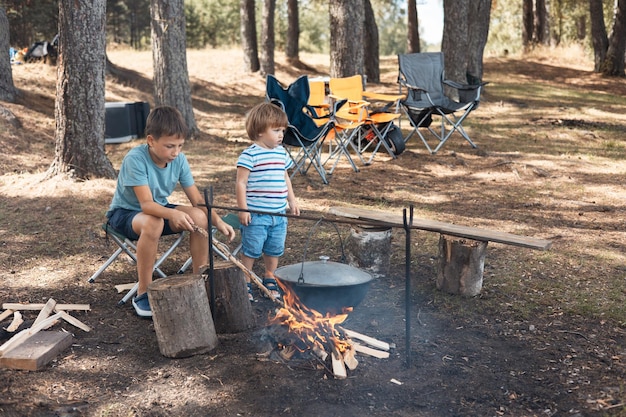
(139, 169)
(266, 189)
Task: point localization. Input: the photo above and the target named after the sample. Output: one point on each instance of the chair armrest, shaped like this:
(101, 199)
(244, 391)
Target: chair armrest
(382, 97)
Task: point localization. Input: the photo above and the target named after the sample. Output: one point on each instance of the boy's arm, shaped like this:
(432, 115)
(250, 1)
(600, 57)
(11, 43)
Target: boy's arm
(196, 200)
(291, 197)
(178, 220)
(240, 192)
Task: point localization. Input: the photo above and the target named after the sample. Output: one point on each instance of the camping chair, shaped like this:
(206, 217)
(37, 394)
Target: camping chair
(375, 125)
(128, 246)
(231, 219)
(339, 139)
(303, 138)
(423, 77)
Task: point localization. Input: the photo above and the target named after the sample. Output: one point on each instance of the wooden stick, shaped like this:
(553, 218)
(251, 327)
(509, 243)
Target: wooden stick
(379, 344)
(5, 314)
(369, 351)
(45, 311)
(124, 287)
(349, 359)
(73, 320)
(26, 333)
(15, 324)
(34, 306)
(339, 367)
(320, 353)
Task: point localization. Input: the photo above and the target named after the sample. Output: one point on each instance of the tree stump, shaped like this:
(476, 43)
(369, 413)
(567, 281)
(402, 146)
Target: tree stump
(369, 248)
(232, 310)
(461, 265)
(182, 316)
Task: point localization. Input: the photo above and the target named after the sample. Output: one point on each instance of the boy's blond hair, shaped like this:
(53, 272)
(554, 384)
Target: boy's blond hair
(264, 116)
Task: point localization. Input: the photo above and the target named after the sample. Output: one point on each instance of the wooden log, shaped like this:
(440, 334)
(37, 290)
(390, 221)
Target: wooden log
(461, 265)
(339, 367)
(369, 351)
(349, 359)
(36, 306)
(182, 317)
(45, 311)
(37, 351)
(379, 344)
(369, 248)
(232, 310)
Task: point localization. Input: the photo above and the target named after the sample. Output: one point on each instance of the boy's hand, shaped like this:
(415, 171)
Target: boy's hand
(226, 229)
(294, 209)
(244, 218)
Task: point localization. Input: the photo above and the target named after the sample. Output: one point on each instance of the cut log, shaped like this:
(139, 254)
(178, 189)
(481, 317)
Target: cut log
(74, 321)
(37, 351)
(35, 306)
(182, 317)
(45, 311)
(339, 367)
(369, 248)
(16, 322)
(5, 314)
(461, 265)
(232, 310)
(26, 333)
(369, 351)
(379, 344)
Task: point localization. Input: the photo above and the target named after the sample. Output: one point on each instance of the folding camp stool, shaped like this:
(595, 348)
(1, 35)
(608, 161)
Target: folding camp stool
(231, 219)
(128, 246)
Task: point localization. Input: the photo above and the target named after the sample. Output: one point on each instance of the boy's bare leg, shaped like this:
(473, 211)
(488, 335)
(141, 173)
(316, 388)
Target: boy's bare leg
(199, 244)
(248, 263)
(271, 263)
(149, 229)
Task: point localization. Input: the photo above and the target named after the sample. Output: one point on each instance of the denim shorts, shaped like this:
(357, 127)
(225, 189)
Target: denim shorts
(122, 221)
(265, 234)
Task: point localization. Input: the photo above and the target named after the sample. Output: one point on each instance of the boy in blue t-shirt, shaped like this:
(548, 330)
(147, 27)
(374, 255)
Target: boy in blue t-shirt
(140, 209)
(263, 185)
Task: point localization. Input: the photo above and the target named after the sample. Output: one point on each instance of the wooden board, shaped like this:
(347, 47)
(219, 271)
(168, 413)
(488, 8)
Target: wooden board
(475, 233)
(36, 351)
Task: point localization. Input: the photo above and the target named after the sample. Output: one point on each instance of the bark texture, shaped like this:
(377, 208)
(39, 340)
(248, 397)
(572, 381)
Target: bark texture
(413, 34)
(346, 34)
(267, 38)
(455, 38)
(371, 56)
(599, 37)
(292, 46)
(479, 15)
(7, 88)
(169, 56)
(613, 64)
(79, 108)
(248, 36)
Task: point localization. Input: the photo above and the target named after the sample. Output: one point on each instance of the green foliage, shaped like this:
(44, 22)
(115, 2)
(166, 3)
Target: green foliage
(505, 28)
(212, 23)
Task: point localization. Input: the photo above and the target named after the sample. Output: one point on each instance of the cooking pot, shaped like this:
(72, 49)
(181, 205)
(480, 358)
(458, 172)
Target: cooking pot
(324, 285)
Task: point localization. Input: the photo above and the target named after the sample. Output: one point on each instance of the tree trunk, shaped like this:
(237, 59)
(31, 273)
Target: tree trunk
(267, 38)
(613, 64)
(528, 24)
(7, 88)
(292, 45)
(480, 12)
(79, 108)
(248, 36)
(346, 22)
(371, 51)
(542, 22)
(455, 39)
(599, 37)
(169, 56)
(413, 35)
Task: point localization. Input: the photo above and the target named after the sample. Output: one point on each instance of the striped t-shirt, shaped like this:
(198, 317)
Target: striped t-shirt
(267, 188)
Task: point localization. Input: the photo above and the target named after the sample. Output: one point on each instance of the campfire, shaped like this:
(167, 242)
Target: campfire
(309, 331)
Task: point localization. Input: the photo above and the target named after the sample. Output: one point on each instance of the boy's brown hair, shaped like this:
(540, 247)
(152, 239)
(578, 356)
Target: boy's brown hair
(166, 121)
(264, 116)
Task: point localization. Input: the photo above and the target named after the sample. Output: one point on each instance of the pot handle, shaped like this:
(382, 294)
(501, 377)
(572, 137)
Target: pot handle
(306, 247)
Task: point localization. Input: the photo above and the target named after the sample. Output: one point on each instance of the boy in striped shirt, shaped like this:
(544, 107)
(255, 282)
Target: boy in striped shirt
(263, 185)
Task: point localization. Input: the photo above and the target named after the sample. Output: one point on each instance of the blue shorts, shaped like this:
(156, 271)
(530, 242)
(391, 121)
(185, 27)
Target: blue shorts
(122, 221)
(265, 234)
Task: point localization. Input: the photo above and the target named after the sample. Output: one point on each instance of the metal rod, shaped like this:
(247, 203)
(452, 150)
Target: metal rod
(407, 282)
(208, 200)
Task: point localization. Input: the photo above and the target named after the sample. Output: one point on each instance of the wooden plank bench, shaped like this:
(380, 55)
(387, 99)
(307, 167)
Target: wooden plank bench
(461, 263)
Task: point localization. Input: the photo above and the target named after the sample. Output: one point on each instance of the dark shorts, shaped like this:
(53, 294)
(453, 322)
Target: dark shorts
(122, 221)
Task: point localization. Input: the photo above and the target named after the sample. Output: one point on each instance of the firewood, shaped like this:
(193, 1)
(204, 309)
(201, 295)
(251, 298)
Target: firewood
(349, 359)
(320, 353)
(35, 306)
(15, 324)
(369, 351)
(124, 287)
(339, 367)
(26, 333)
(45, 311)
(5, 314)
(379, 344)
(73, 320)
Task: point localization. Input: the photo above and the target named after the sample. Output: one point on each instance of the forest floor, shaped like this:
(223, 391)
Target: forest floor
(546, 336)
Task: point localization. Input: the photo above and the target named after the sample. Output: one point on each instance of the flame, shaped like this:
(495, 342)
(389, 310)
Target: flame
(315, 330)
